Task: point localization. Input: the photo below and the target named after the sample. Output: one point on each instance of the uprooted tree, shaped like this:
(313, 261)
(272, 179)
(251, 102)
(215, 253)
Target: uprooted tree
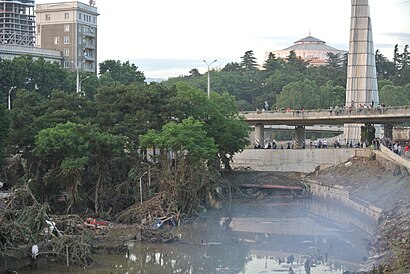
(185, 151)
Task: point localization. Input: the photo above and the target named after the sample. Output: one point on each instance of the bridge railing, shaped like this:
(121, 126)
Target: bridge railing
(337, 111)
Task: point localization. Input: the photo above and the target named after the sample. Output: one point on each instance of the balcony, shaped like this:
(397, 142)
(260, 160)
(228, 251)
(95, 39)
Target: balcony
(88, 46)
(89, 33)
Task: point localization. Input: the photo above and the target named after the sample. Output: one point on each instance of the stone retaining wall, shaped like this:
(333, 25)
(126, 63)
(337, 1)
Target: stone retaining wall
(337, 192)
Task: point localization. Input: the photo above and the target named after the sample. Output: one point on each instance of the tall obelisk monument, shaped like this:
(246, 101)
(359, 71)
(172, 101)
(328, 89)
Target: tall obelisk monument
(361, 87)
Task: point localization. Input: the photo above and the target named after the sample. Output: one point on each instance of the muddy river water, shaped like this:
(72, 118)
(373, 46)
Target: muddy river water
(270, 236)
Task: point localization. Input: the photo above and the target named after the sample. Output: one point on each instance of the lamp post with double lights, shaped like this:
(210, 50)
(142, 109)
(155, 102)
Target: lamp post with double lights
(209, 77)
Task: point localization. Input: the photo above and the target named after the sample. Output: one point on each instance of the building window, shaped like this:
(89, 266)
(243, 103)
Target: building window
(66, 52)
(66, 15)
(56, 40)
(79, 16)
(66, 40)
(48, 17)
(66, 28)
(66, 64)
(94, 19)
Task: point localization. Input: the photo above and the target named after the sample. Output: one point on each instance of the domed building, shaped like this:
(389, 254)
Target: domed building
(310, 49)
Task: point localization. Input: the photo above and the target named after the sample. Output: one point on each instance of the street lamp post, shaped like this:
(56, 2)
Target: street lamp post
(209, 77)
(85, 78)
(77, 68)
(9, 98)
(149, 173)
(141, 185)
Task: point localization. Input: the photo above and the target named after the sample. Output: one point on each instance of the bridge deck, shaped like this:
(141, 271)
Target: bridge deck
(390, 115)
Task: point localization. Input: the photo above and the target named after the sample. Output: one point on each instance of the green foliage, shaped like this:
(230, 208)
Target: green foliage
(188, 138)
(393, 96)
(272, 63)
(295, 63)
(62, 143)
(33, 75)
(124, 73)
(299, 95)
(67, 152)
(4, 130)
(248, 61)
(368, 133)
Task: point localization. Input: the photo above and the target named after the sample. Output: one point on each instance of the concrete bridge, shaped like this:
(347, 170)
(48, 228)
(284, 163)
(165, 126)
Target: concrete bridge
(387, 116)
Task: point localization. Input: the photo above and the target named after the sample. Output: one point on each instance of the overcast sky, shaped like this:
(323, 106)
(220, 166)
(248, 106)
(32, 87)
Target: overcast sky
(168, 38)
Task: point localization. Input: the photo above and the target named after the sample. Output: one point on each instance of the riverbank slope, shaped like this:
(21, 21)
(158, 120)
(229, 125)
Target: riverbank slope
(387, 188)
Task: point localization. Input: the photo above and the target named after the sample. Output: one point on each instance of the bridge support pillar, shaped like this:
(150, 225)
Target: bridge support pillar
(388, 131)
(300, 137)
(260, 134)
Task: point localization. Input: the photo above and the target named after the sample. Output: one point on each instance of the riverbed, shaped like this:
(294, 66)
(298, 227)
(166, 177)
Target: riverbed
(274, 235)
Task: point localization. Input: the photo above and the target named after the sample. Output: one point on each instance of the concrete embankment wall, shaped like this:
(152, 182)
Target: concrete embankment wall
(308, 160)
(336, 192)
(300, 160)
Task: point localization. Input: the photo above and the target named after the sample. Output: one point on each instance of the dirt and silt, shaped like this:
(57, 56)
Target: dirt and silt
(366, 180)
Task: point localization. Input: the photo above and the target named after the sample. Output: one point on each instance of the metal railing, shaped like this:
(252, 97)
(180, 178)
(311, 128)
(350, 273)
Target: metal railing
(402, 110)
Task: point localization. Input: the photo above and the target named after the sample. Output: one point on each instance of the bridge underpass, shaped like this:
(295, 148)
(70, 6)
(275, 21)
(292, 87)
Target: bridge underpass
(300, 120)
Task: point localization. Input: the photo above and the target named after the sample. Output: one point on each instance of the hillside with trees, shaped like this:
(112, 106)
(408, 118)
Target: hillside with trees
(293, 83)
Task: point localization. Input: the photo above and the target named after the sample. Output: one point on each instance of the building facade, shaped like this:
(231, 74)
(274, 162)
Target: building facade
(17, 32)
(312, 50)
(71, 28)
(17, 25)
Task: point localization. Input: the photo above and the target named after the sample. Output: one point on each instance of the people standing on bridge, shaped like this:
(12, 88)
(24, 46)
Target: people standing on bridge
(406, 150)
(307, 266)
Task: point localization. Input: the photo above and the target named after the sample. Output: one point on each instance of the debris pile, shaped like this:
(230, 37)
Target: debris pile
(157, 218)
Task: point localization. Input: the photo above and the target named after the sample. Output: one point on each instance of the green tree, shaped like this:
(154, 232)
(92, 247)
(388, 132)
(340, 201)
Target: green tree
(233, 66)
(184, 177)
(220, 117)
(295, 63)
(34, 75)
(24, 114)
(63, 155)
(194, 73)
(249, 62)
(393, 96)
(121, 72)
(298, 95)
(331, 96)
(384, 68)
(272, 63)
(4, 130)
(334, 60)
(68, 151)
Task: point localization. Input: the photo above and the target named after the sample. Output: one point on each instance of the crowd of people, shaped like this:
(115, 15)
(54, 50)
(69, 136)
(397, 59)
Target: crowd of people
(396, 147)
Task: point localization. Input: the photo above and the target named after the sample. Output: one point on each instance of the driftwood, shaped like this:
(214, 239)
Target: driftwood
(157, 207)
(25, 222)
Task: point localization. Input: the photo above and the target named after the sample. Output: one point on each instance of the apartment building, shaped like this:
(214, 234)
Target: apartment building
(71, 28)
(17, 32)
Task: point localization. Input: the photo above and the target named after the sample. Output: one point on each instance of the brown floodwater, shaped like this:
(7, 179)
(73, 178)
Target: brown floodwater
(274, 235)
